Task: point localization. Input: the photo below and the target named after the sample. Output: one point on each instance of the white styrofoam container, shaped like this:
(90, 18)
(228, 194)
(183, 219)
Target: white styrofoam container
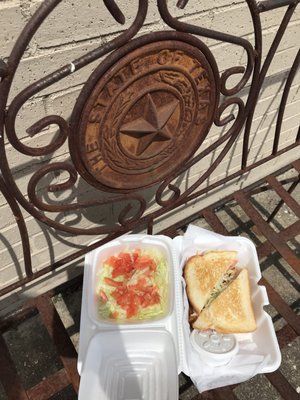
(100, 338)
(264, 336)
(128, 243)
(130, 364)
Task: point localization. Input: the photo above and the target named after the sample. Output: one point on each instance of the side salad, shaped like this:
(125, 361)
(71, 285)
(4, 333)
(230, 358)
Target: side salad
(133, 285)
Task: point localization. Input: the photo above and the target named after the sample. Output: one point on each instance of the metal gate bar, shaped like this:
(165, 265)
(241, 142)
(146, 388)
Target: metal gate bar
(9, 377)
(253, 73)
(51, 385)
(268, 5)
(281, 384)
(265, 229)
(62, 342)
(60, 338)
(276, 244)
(284, 310)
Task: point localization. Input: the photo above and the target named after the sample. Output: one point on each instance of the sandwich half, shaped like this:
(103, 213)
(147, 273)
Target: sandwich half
(206, 275)
(231, 311)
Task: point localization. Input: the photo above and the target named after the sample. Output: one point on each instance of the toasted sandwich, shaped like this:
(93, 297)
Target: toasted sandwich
(206, 275)
(231, 311)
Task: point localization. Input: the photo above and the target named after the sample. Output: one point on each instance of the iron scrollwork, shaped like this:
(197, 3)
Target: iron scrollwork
(140, 128)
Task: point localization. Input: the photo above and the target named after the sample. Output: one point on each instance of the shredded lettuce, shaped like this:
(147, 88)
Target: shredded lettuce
(160, 279)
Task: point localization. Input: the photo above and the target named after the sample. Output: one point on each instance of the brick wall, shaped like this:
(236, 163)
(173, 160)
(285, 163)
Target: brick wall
(69, 33)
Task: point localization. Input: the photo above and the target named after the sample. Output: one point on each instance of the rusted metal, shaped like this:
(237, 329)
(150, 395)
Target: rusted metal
(216, 394)
(282, 385)
(264, 249)
(169, 195)
(285, 235)
(285, 194)
(275, 299)
(296, 165)
(9, 378)
(3, 69)
(225, 393)
(285, 336)
(49, 386)
(229, 138)
(214, 221)
(220, 182)
(268, 5)
(27, 310)
(57, 264)
(265, 187)
(138, 116)
(182, 3)
(150, 227)
(290, 190)
(115, 11)
(138, 100)
(199, 31)
(266, 230)
(260, 77)
(284, 98)
(284, 310)
(290, 232)
(60, 338)
(19, 100)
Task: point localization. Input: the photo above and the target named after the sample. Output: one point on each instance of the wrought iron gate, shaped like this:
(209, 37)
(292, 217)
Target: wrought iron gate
(138, 125)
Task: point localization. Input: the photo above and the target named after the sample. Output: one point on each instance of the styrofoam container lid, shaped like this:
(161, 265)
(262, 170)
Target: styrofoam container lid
(130, 365)
(214, 348)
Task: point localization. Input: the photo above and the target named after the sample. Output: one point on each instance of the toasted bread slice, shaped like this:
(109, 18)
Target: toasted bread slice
(231, 311)
(203, 273)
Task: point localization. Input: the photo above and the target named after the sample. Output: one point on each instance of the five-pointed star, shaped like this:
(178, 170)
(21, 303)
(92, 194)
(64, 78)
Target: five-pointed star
(153, 125)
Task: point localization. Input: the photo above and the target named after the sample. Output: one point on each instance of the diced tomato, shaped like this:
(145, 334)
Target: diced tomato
(115, 314)
(135, 255)
(145, 262)
(123, 297)
(150, 299)
(111, 261)
(126, 271)
(126, 258)
(111, 282)
(122, 265)
(151, 289)
(146, 300)
(131, 311)
(153, 266)
(132, 297)
(138, 300)
(116, 272)
(142, 281)
(155, 298)
(147, 273)
(141, 265)
(103, 296)
(119, 293)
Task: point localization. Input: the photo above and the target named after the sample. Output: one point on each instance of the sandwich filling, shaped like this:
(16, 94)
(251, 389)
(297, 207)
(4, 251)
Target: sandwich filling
(206, 275)
(231, 311)
(222, 284)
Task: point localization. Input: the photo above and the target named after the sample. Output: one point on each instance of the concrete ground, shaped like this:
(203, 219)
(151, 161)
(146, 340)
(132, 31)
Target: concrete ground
(36, 358)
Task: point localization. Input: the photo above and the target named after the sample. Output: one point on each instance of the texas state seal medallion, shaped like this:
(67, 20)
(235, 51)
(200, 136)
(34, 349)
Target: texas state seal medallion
(146, 114)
